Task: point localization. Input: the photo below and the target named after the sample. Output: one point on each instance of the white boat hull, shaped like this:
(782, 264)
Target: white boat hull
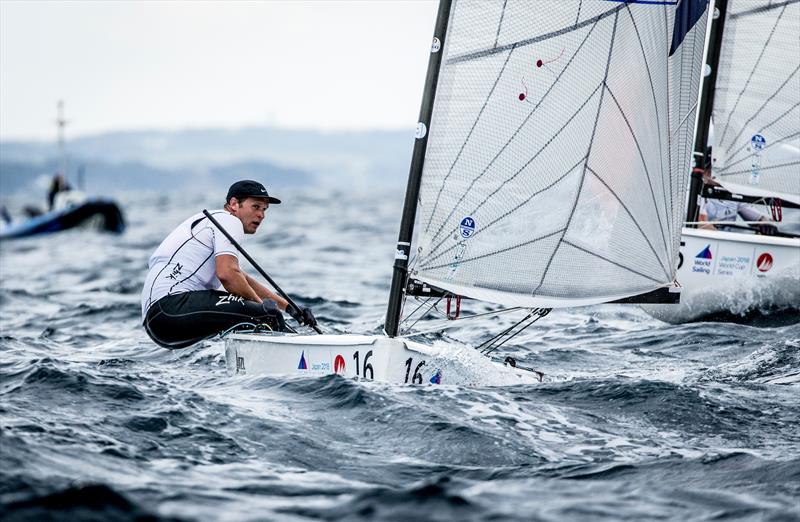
(733, 273)
(393, 360)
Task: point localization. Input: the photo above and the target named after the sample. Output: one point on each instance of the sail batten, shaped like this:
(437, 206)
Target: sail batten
(551, 172)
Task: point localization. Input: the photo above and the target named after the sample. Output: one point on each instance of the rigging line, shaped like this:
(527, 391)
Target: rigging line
(750, 77)
(655, 106)
(578, 16)
(500, 23)
(646, 170)
(751, 118)
(683, 120)
(466, 140)
(513, 247)
(431, 307)
(472, 55)
(747, 171)
(744, 148)
(630, 214)
(541, 312)
(620, 265)
(586, 164)
(488, 346)
(761, 9)
(516, 132)
(444, 325)
(510, 336)
(409, 316)
(488, 343)
(492, 223)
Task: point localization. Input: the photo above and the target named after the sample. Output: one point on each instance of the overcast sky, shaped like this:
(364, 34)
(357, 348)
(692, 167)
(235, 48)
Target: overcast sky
(122, 65)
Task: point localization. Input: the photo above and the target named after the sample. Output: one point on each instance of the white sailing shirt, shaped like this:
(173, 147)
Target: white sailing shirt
(721, 210)
(186, 260)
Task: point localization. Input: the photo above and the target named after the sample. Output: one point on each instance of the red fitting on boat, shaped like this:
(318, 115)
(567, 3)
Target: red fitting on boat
(458, 307)
(776, 210)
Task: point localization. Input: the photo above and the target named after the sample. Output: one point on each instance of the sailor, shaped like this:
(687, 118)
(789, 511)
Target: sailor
(182, 302)
(723, 211)
(58, 184)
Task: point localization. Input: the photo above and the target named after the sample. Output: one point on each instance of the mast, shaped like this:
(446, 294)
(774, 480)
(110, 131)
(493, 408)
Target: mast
(701, 152)
(62, 154)
(395, 306)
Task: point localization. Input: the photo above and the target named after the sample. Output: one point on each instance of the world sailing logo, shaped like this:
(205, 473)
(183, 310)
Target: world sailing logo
(303, 365)
(703, 260)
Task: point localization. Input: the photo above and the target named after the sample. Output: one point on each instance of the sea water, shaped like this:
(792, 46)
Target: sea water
(636, 419)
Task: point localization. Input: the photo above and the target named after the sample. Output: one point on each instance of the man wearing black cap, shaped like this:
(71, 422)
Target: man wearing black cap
(181, 300)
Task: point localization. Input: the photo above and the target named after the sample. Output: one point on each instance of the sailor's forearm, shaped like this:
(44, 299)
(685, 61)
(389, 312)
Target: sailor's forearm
(236, 283)
(266, 293)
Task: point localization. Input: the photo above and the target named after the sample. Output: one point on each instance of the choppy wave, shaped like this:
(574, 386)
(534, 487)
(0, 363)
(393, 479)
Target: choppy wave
(635, 419)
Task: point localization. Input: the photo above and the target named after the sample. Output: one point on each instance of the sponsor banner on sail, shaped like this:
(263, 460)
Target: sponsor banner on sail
(557, 153)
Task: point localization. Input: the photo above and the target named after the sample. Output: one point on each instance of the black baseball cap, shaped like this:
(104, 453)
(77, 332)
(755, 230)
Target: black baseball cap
(247, 188)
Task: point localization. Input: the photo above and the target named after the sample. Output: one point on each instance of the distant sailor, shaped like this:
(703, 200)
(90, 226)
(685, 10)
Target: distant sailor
(182, 302)
(721, 211)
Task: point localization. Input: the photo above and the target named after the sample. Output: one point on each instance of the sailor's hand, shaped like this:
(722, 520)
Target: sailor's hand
(303, 315)
(767, 229)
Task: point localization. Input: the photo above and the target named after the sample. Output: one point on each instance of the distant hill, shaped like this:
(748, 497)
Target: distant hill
(141, 160)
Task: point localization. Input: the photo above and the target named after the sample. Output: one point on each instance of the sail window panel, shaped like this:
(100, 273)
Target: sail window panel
(601, 224)
(608, 278)
(757, 94)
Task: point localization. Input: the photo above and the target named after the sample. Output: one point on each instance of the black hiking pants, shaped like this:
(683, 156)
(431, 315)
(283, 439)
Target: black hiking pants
(180, 320)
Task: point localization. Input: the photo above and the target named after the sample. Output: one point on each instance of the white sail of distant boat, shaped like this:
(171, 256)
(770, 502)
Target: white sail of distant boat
(752, 92)
(757, 100)
(549, 170)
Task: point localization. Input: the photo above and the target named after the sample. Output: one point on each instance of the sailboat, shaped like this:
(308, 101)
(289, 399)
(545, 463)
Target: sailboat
(548, 171)
(69, 208)
(752, 95)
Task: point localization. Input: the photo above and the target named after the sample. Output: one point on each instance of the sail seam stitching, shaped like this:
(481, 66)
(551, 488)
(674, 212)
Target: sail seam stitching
(658, 118)
(745, 148)
(513, 247)
(750, 77)
(532, 196)
(516, 132)
(779, 89)
(530, 41)
(781, 165)
(586, 164)
(630, 214)
(644, 163)
(466, 140)
(595, 254)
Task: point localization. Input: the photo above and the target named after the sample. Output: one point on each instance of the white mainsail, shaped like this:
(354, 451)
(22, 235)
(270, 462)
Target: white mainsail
(558, 150)
(757, 100)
